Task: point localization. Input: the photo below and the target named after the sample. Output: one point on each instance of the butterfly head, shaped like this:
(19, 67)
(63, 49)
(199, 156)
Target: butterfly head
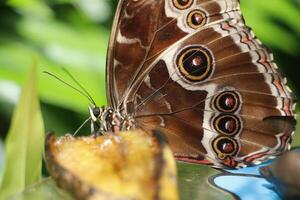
(95, 112)
(107, 119)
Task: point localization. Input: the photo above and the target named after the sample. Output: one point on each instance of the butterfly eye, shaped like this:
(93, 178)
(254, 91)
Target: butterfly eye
(227, 124)
(195, 63)
(225, 146)
(182, 4)
(228, 102)
(196, 19)
(96, 111)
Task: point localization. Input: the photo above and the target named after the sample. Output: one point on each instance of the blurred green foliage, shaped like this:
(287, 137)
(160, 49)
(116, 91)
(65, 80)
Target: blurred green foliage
(57, 34)
(24, 144)
(74, 34)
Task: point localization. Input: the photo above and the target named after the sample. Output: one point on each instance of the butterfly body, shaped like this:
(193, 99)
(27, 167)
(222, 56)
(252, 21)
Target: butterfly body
(107, 119)
(193, 69)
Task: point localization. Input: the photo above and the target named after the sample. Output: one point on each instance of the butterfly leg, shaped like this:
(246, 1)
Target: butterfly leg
(96, 130)
(92, 128)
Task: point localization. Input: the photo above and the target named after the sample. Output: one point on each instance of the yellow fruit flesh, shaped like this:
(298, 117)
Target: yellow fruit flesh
(124, 165)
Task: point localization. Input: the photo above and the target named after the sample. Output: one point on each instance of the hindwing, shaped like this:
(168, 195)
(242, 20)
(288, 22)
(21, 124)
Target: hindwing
(195, 70)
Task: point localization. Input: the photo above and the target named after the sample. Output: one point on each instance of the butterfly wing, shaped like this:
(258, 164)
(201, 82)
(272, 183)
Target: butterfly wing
(143, 29)
(134, 25)
(194, 69)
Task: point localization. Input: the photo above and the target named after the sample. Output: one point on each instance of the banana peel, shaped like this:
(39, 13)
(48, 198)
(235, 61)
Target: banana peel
(128, 165)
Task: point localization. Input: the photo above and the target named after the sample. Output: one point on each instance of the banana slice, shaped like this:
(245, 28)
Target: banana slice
(128, 165)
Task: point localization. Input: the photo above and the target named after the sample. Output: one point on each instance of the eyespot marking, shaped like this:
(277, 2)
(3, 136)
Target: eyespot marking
(225, 147)
(229, 125)
(195, 63)
(196, 19)
(182, 4)
(228, 102)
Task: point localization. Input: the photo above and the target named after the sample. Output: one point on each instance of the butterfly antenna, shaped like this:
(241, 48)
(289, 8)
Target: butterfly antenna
(71, 86)
(80, 127)
(78, 84)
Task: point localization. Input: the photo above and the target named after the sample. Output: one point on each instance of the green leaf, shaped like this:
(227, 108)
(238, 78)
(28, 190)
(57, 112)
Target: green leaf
(31, 8)
(56, 44)
(275, 22)
(193, 183)
(46, 190)
(24, 142)
(296, 140)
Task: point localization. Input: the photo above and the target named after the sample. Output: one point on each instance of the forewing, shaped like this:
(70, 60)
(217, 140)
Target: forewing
(143, 29)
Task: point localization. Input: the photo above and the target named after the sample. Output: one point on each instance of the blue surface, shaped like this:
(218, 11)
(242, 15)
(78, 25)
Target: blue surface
(246, 184)
(247, 188)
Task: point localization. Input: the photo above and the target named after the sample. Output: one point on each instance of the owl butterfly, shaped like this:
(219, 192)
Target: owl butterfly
(193, 69)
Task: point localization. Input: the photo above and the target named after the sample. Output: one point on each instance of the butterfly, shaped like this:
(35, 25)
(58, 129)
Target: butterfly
(196, 72)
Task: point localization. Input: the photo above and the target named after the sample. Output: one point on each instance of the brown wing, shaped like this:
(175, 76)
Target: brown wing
(134, 26)
(206, 80)
(143, 29)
